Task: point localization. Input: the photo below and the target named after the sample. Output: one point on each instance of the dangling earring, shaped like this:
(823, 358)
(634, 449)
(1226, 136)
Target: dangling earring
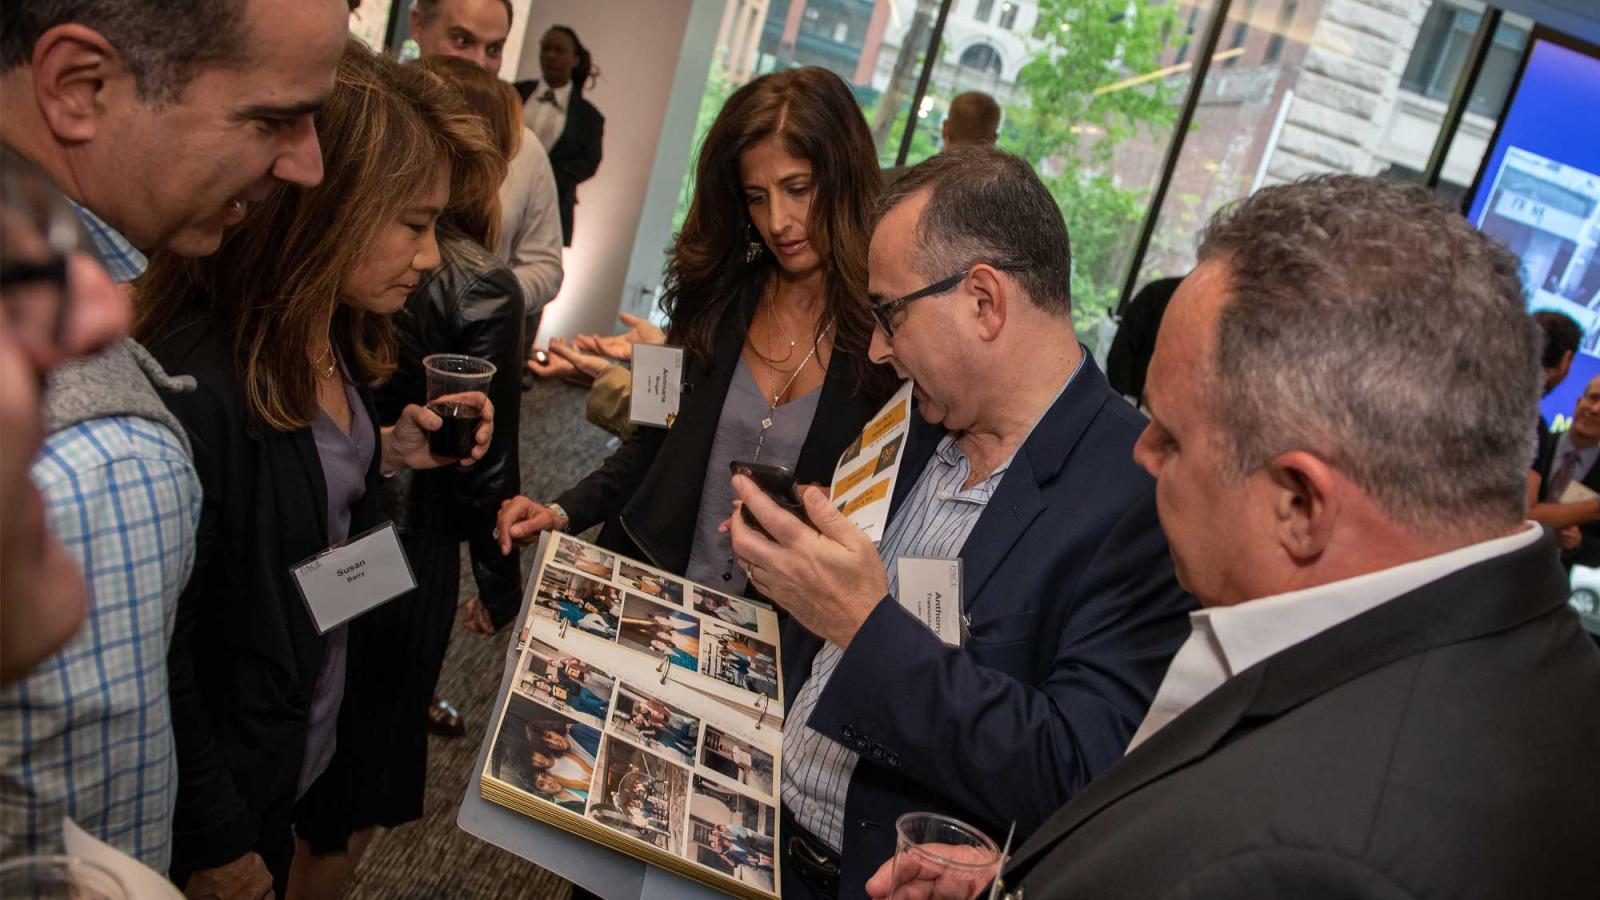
(753, 250)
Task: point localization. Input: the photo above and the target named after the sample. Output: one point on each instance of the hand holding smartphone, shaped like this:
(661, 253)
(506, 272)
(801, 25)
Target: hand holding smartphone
(777, 482)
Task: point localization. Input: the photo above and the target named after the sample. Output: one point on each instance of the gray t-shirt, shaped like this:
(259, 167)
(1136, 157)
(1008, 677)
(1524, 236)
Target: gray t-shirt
(738, 432)
(345, 459)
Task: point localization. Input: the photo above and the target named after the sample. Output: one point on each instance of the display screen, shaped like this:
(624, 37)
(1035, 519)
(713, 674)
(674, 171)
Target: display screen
(1539, 193)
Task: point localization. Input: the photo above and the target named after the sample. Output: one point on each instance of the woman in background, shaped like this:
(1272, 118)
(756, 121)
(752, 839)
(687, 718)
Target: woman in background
(766, 291)
(286, 330)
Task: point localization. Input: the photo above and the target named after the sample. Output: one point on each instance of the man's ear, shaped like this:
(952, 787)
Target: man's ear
(993, 297)
(1305, 503)
(71, 67)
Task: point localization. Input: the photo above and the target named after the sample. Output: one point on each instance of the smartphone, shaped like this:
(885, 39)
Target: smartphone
(777, 482)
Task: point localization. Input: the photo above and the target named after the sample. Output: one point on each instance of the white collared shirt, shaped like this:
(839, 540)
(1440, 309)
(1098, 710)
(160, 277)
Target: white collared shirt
(1226, 640)
(547, 119)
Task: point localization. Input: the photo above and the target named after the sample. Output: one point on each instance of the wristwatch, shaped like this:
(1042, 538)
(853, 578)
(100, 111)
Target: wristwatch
(562, 519)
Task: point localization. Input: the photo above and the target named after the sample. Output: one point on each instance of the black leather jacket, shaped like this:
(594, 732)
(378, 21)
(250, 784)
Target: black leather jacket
(470, 304)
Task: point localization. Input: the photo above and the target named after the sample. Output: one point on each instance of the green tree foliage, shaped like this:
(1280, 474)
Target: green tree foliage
(1074, 106)
(719, 87)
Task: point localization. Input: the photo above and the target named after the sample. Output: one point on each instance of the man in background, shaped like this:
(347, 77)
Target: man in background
(973, 121)
(162, 136)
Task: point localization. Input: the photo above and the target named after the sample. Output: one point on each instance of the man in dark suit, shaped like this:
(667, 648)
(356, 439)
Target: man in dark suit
(1567, 458)
(1020, 466)
(1386, 695)
(569, 126)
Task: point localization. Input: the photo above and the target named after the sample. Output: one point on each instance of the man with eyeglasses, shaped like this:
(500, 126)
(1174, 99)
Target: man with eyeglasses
(162, 122)
(1020, 465)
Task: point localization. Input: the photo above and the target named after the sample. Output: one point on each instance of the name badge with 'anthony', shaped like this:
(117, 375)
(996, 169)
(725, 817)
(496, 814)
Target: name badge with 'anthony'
(931, 590)
(345, 581)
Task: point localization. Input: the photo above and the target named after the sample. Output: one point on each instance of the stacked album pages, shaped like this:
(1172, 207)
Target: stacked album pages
(645, 714)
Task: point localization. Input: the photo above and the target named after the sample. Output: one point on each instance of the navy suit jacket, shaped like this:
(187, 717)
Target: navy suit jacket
(1075, 614)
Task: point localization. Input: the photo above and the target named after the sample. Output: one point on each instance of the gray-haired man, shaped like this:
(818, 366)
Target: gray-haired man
(163, 121)
(1386, 695)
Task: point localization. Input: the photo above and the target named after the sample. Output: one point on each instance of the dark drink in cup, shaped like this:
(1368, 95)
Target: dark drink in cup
(459, 433)
(457, 389)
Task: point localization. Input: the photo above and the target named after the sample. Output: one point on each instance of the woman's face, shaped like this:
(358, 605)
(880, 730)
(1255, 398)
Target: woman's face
(778, 190)
(404, 249)
(546, 784)
(558, 56)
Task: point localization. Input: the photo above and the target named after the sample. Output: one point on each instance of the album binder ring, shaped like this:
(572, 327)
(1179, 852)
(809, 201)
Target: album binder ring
(664, 668)
(562, 634)
(764, 702)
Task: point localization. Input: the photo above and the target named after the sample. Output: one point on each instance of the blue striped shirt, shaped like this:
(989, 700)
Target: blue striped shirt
(88, 734)
(121, 258)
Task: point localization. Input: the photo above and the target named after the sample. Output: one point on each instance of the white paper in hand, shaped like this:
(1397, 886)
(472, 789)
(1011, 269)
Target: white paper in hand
(863, 482)
(657, 385)
(1577, 492)
(141, 881)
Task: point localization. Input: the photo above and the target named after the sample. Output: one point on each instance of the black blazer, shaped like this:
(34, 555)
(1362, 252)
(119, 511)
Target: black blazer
(575, 157)
(647, 493)
(1588, 552)
(245, 655)
(470, 304)
(1075, 614)
(1443, 744)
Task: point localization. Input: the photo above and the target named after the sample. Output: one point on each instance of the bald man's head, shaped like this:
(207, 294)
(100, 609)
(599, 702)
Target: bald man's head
(974, 119)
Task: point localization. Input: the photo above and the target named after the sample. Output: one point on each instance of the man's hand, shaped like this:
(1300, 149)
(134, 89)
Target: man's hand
(1569, 537)
(246, 878)
(913, 876)
(405, 443)
(829, 578)
(521, 521)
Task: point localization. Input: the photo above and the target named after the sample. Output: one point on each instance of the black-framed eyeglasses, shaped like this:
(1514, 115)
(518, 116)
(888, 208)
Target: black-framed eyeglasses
(885, 311)
(34, 283)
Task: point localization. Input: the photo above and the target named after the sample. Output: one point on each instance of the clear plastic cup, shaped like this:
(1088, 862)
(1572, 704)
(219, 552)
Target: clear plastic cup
(941, 857)
(458, 388)
(58, 878)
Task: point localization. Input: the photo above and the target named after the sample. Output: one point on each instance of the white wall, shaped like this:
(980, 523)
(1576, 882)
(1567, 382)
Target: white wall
(637, 45)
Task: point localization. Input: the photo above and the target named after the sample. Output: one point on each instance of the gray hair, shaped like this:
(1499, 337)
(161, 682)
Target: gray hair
(429, 10)
(986, 206)
(164, 43)
(1371, 325)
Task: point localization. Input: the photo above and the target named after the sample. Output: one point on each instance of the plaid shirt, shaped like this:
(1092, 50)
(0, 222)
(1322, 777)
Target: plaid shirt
(120, 257)
(88, 734)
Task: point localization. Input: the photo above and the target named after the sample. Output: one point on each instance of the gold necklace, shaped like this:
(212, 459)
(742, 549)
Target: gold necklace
(777, 396)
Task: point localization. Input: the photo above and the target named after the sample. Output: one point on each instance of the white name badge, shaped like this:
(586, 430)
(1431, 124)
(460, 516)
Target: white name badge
(931, 590)
(344, 581)
(657, 384)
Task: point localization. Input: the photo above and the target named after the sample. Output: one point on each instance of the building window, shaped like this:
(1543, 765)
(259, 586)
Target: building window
(1008, 15)
(981, 58)
(1194, 20)
(1241, 33)
(1440, 53)
(985, 7)
(1281, 33)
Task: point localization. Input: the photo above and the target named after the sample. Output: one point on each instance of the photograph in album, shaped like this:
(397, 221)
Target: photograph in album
(651, 582)
(565, 683)
(545, 754)
(650, 627)
(655, 724)
(586, 558)
(738, 659)
(738, 760)
(580, 601)
(736, 611)
(641, 794)
(734, 834)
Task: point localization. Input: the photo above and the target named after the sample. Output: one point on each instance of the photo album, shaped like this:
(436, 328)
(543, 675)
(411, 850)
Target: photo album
(645, 714)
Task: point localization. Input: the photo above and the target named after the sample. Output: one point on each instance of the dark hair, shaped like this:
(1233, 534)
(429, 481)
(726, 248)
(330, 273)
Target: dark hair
(587, 73)
(814, 114)
(974, 117)
(986, 206)
(271, 283)
(164, 43)
(1561, 336)
(1373, 326)
(430, 8)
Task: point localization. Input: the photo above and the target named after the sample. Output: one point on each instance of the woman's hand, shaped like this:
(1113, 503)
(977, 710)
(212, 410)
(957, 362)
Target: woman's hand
(586, 363)
(405, 443)
(620, 346)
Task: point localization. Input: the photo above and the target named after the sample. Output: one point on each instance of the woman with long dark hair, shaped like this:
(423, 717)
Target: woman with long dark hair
(286, 330)
(568, 125)
(766, 291)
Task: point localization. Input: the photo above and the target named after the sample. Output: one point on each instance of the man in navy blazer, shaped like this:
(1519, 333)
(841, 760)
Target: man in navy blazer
(1020, 464)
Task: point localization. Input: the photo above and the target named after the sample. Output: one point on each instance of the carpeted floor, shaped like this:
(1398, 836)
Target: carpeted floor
(432, 858)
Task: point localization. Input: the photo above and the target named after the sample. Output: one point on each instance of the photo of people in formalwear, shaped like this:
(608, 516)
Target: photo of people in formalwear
(565, 683)
(655, 724)
(732, 833)
(650, 627)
